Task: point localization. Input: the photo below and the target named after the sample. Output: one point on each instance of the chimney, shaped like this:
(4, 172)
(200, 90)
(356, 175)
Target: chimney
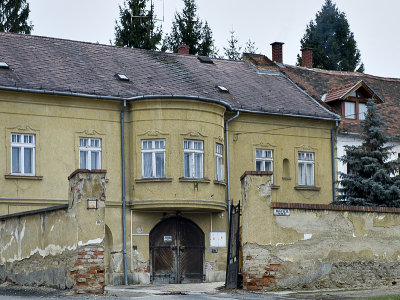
(306, 57)
(183, 49)
(277, 52)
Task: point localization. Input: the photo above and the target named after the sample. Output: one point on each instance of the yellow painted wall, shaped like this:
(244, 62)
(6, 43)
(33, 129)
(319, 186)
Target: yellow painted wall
(286, 137)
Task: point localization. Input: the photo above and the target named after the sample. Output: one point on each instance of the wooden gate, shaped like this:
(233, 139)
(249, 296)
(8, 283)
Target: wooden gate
(176, 252)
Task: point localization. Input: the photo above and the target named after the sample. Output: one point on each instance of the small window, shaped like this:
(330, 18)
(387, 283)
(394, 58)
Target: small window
(219, 163)
(306, 168)
(22, 154)
(4, 65)
(222, 89)
(153, 159)
(122, 77)
(362, 111)
(264, 160)
(350, 110)
(193, 153)
(89, 153)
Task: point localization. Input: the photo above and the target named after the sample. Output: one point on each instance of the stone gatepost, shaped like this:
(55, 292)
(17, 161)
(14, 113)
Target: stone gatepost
(87, 196)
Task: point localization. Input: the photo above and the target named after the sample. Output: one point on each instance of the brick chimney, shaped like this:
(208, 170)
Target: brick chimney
(183, 49)
(306, 57)
(277, 55)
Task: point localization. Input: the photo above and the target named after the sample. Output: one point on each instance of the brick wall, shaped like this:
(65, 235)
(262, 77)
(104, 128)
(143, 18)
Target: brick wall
(88, 270)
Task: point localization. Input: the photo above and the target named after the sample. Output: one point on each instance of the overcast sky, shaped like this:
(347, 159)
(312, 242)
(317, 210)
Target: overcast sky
(375, 24)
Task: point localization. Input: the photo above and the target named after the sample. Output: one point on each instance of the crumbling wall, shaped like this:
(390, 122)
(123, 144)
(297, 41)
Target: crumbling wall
(315, 246)
(60, 247)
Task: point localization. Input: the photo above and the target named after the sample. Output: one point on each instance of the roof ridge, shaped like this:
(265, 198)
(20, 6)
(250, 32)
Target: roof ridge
(346, 73)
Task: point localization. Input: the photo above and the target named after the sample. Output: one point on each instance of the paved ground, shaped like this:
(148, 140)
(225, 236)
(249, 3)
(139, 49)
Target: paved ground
(202, 291)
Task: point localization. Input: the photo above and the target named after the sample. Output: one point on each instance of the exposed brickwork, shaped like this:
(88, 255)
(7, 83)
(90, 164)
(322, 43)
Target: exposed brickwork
(277, 54)
(335, 207)
(88, 270)
(260, 273)
(183, 49)
(306, 57)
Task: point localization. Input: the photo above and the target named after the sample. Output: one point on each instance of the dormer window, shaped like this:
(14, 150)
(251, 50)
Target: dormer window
(349, 110)
(350, 100)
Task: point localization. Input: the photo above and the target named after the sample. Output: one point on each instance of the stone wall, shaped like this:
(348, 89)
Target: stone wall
(315, 245)
(61, 246)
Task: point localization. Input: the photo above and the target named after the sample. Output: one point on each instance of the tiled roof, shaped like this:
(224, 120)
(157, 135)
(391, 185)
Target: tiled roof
(77, 67)
(338, 92)
(317, 82)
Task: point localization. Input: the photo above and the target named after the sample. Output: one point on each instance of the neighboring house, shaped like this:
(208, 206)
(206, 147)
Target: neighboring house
(346, 93)
(190, 127)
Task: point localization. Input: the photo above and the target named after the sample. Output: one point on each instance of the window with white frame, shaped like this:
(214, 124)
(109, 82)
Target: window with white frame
(306, 168)
(219, 162)
(22, 154)
(350, 110)
(193, 153)
(264, 160)
(362, 111)
(89, 153)
(153, 158)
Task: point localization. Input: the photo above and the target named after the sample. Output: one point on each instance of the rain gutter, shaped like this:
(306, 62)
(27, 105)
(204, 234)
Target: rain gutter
(123, 194)
(228, 187)
(333, 131)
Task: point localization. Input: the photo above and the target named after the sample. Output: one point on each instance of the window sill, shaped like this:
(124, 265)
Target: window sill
(275, 187)
(204, 180)
(307, 188)
(143, 180)
(29, 177)
(220, 182)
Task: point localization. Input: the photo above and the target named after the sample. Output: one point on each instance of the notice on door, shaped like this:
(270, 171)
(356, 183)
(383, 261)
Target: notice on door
(167, 238)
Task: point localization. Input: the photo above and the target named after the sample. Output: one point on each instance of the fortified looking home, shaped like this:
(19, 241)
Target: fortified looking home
(174, 133)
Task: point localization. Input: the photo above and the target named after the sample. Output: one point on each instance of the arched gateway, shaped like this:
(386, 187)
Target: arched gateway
(176, 251)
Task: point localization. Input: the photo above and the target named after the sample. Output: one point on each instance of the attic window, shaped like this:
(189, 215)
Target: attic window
(122, 77)
(222, 89)
(3, 65)
(205, 60)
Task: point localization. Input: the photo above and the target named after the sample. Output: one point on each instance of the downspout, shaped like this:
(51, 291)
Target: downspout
(227, 162)
(333, 130)
(123, 194)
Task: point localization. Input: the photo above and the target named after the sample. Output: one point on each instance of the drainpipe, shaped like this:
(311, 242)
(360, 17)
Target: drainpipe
(333, 130)
(123, 194)
(227, 161)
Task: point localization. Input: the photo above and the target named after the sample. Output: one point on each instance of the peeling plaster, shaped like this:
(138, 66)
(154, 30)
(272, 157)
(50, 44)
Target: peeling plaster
(307, 236)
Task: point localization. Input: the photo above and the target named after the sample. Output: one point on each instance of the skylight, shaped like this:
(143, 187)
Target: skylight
(3, 65)
(205, 59)
(122, 77)
(222, 89)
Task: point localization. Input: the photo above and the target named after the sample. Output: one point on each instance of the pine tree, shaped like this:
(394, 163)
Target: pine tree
(187, 28)
(14, 16)
(333, 44)
(371, 179)
(250, 47)
(136, 26)
(233, 50)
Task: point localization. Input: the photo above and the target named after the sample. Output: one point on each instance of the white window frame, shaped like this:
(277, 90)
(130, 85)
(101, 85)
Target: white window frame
(306, 159)
(265, 157)
(219, 167)
(89, 145)
(23, 141)
(348, 114)
(362, 114)
(193, 148)
(153, 149)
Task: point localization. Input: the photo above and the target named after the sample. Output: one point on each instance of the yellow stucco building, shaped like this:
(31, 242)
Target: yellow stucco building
(175, 132)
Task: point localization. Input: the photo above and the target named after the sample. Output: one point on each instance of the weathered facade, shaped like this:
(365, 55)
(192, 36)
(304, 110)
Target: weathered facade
(315, 245)
(174, 132)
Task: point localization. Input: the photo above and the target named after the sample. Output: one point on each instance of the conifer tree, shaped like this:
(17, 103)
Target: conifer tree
(187, 28)
(370, 179)
(14, 16)
(250, 47)
(136, 26)
(233, 50)
(333, 44)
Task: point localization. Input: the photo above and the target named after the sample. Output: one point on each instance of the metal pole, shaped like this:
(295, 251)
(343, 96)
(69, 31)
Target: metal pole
(123, 194)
